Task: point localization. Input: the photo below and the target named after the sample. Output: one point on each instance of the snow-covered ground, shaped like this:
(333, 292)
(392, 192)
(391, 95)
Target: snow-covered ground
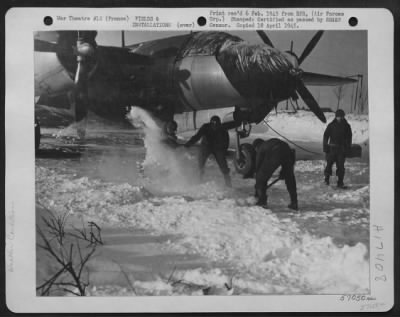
(305, 126)
(175, 235)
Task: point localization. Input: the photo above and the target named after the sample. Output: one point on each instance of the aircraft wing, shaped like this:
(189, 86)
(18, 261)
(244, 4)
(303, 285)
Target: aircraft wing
(44, 46)
(124, 55)
(121, 54)
(315, 79)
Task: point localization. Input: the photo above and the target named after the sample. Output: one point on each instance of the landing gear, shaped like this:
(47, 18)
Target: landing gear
(245, 155)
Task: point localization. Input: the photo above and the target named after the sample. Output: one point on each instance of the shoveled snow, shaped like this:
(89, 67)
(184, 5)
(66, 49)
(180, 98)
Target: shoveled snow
(323, 249)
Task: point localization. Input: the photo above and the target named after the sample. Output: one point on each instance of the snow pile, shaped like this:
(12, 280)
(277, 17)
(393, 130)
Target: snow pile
(264, 252)
(305, 126)
(255, 241)
(64, 193)
(310, 166)
(358, 195)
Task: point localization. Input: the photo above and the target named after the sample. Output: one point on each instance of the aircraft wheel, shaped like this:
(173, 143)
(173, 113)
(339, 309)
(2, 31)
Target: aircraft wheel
(37, 134)
(245, 165)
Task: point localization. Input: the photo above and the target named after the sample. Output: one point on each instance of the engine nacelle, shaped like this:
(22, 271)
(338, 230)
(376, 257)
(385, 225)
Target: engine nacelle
(204, 74)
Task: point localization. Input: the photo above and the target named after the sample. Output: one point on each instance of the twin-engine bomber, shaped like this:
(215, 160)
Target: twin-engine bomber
(191, 72)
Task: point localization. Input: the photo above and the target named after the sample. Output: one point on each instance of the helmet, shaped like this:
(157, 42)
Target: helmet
(215, 120)
(257, 143)
(339, 113)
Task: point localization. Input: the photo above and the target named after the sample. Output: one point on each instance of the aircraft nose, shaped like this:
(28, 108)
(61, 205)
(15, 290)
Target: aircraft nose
(292, 58)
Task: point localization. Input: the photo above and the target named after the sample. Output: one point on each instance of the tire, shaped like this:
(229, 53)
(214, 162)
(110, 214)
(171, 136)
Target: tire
(37, 134)
(246, 164)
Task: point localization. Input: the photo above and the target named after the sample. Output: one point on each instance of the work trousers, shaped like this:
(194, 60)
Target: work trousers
(220, 157)
(284, 157)
(335, 155)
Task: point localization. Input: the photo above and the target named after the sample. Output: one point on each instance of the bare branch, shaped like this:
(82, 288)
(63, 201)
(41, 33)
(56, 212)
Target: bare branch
(172, 274)
(69, 291)
(71, 267)
(126, 277)
(51, 281)
(49, 248)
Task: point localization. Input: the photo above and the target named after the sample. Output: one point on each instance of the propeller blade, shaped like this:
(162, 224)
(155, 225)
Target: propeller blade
(310, 101)
(310, 46)
(81, 91)
(81, 105)
(122, 38)
(77, 74)
(265, 38)
(315, 79)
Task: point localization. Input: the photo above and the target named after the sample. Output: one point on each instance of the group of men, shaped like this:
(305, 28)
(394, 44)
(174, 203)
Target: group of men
(271, 154)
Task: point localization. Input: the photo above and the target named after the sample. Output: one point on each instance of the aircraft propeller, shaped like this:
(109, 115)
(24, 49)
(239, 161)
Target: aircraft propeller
(76, 51)
(265, 37)
(84, 51)
(310, 46)
(296, 72)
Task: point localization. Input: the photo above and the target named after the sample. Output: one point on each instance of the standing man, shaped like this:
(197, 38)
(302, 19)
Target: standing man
(215, 140)
(270, 155)
(336, 142)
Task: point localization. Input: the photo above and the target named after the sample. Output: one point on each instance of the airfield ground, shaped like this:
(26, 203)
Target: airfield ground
(166, 233)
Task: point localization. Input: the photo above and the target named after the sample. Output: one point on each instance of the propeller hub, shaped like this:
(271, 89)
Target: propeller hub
(292, 58)
(296, 72)
(85, 49)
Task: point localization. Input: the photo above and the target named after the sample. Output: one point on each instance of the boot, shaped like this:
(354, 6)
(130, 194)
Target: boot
(228, 181)
(256, 194)
(340, 184)
(262, 199)
(293, 205)
(262, 203)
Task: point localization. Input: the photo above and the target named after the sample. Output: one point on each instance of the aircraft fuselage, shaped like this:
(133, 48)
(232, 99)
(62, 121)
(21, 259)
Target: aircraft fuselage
(190, 72)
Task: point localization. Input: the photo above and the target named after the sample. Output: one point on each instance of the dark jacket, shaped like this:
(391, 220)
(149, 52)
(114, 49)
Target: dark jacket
(274, 148)
(337, 134)
(215, 140)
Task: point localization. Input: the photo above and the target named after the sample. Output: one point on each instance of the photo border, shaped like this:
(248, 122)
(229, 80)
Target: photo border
(395, 106)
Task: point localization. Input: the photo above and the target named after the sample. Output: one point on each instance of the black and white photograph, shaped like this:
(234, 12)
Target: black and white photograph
(199, 160)
(201, 163)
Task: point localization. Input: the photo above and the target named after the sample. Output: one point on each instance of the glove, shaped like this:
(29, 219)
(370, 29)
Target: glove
(326, 148)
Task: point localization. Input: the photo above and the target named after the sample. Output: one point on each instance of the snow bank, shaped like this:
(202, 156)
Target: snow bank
(305, 126)
(263, 251)
(268, 254)
(256, 241)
